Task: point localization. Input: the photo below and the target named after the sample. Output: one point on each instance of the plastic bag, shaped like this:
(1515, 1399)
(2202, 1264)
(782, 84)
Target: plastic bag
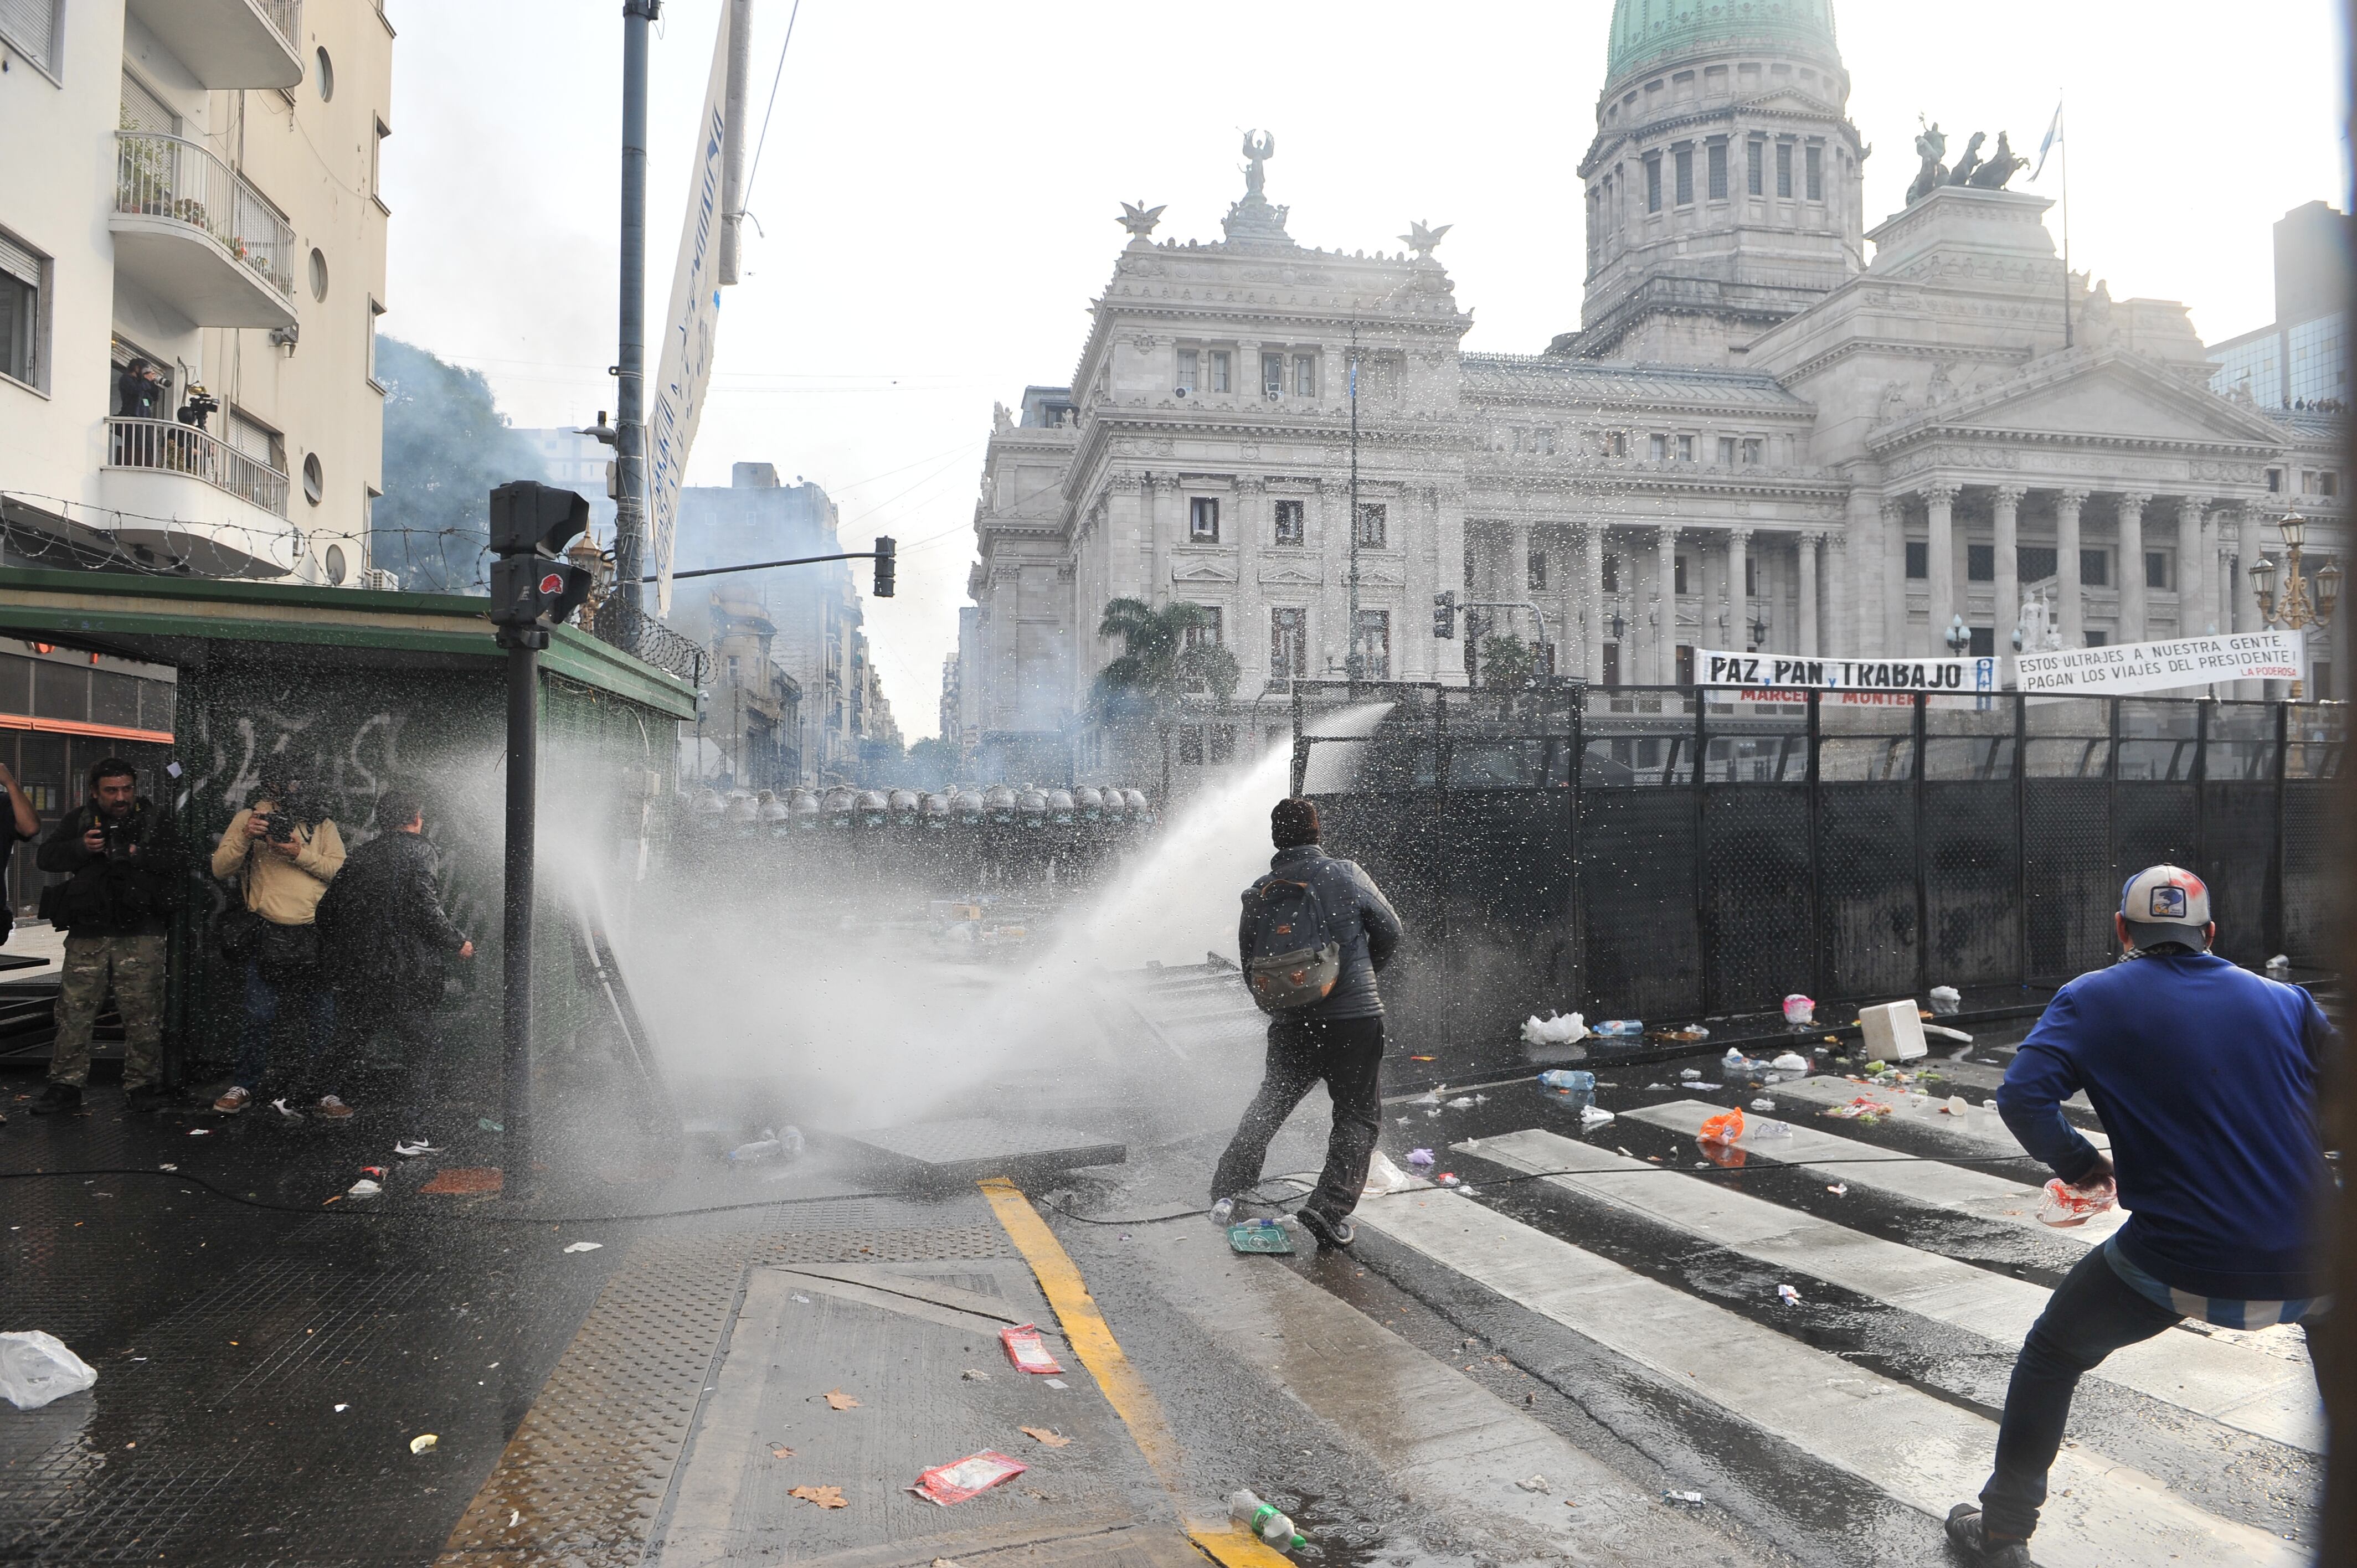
(1800, 1009)
(1724, 1128)
(36, 1368)
(956, 1482)
(2064, 1205)
(1554, 1031)
(1026, 1349)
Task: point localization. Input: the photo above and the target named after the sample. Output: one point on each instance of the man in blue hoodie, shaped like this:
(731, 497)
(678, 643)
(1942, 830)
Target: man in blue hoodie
(1338, 1039)
(2205, 1077)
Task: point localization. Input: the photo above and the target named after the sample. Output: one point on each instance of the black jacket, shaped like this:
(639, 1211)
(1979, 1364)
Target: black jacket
(384, 938)
(141, 398)
(1363, 919)
(119, 896)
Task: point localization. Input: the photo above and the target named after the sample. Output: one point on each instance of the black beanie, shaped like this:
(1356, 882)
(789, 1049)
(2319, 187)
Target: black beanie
(1292, 824)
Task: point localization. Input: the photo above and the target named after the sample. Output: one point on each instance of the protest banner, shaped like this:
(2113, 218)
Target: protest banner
(1799, 672)
(2120, 669)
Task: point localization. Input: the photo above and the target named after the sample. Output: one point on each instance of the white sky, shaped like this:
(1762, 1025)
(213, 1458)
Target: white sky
(940, 179)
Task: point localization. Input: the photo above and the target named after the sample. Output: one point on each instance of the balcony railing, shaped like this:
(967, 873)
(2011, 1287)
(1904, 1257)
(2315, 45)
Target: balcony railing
(175, 178)
(175, 448)
(286, 16)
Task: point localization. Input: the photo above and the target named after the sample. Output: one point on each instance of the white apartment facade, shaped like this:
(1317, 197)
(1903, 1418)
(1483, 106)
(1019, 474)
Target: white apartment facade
(192, 183)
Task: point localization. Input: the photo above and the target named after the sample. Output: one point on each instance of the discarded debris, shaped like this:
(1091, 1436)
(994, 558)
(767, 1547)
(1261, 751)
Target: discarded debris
(36, 1368)
(1690, 1074)
(1554, 1029)
(801, 1299)
(974, 1375)
(1946, 999)
(2063, 1207)
(422, 1442)
(487, 1125)
(1047, 1435)
(1025, 1348)
(1383, 1177)
(1056, 1384)
(1593, 1116)
(1534, 1484)
(167, 1167)
(1839, 1189)
(1766, 1127)
(838, 1400)
(1462, 1102)
(1254, 1236)
(342, 1408)
(1625, 1028)
(1421, 1159)
(1788, 1295)
(1799, 1009)
(200, 1132)
(362, 1188)
(281, 1107)
(824, 1496)
(1791, 1061)
(1724, 1128)
(1420, 1058)
(779, 1451)
(1263, 1520)
(1691, 1500)
(953, 1483)
(1764, 1103)
(409, 1151)
(585, 1246)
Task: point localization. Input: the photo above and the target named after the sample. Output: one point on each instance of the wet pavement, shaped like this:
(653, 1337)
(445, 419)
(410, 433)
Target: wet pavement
(267, 1357)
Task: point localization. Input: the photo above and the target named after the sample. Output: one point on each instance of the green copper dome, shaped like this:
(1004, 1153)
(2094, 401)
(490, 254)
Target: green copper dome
(1645, 30)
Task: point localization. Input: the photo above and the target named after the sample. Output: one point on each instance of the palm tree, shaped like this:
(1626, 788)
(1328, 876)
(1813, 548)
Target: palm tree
(1163, 658)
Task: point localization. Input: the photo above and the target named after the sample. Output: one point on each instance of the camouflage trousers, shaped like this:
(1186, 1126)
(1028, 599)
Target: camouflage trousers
(135, 965)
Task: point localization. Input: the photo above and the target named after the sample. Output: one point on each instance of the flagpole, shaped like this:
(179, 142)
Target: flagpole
(2067, 337)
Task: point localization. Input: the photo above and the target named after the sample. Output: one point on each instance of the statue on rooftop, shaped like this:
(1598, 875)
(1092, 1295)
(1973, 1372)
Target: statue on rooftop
(1423, 240)
(1259, 146)
(1139, 219)
(1932, 147)
(1970, 161)
(1993, 174)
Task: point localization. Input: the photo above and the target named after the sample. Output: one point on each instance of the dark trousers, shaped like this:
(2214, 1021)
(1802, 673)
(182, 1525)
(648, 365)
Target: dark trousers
(377, 1048)
(1347, 1054)
(2091, 1313)
(266, 994)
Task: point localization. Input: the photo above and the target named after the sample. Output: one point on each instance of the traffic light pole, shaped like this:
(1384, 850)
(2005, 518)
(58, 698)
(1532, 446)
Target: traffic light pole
(631, 362)
(515, 935)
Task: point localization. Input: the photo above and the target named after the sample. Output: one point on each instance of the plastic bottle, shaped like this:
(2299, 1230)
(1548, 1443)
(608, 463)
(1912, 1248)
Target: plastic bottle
(1263, 1519)
(1623, 1027)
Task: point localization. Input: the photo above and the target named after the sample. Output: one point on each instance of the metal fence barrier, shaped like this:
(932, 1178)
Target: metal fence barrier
(1669, 853)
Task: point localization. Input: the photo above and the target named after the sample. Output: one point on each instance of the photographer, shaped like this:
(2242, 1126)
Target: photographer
(282, 854)
(123, 855)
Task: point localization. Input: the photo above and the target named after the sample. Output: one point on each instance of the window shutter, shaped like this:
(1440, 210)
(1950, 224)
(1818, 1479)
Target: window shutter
(16, 262)
(31, 27)
(141, 107)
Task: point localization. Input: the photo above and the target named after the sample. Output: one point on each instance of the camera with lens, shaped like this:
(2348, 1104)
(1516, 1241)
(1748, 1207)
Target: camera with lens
(119, 838)
(200, 406)
(280, 825)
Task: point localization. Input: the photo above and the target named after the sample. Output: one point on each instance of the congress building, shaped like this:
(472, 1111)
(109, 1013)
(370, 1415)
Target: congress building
(1786, 422)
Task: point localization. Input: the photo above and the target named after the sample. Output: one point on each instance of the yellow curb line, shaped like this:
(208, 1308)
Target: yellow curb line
(1093, 1342)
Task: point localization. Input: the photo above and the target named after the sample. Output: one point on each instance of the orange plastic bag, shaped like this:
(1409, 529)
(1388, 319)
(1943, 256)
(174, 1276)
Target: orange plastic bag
(1724, 1128)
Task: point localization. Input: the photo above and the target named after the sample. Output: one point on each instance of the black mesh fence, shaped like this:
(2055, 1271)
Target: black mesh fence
(1660, 853)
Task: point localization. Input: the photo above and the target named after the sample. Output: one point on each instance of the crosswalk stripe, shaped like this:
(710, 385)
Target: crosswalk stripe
(1918, 1449)
(1982, 1128)
(1918, 1180)
(2231, 1384)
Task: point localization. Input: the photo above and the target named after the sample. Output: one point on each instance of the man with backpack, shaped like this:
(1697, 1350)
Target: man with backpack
(1315, 933)
(385, 942)
(124, 856)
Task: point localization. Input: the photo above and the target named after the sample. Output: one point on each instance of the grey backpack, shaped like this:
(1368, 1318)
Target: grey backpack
(1300, 959)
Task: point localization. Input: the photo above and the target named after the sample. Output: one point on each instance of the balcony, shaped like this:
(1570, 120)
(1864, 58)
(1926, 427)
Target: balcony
(190, 498)
(229, 43)
(188, 229)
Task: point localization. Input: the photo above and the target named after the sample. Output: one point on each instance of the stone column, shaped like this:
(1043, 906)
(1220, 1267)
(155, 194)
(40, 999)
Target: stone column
(2246, 593)
(1248, 638)
(1940, 501)
(1893, 619)
(1166, 523)
(1591, 592)
(1331, 546)
(2132, 594)
(1738, 603)
(2008, 564)
(1125, 530)
(2070, 596)
(1666, 576)
(1518, 578)
(1844, 593)
(2194, 614)
(1808, 606)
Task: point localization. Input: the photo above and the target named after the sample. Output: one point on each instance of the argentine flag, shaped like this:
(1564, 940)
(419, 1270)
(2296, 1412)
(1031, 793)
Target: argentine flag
(2053, 139)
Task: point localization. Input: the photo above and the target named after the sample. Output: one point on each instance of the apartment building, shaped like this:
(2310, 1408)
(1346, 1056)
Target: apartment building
(192, 184)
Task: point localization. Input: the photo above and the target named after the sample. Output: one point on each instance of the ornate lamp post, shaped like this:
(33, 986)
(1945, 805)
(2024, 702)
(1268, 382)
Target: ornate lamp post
(2296, 611)
(1959, 637)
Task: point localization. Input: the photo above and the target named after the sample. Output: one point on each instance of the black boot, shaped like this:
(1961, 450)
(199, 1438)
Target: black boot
(63, 1097)
(146, 1098)
(1966, 1531)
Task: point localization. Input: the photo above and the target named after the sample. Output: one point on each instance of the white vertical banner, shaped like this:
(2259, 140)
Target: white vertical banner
(692, 324)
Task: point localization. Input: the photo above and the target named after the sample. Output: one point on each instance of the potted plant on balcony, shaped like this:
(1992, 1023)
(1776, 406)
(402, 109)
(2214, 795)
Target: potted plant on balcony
(144, 177)
(191, 211)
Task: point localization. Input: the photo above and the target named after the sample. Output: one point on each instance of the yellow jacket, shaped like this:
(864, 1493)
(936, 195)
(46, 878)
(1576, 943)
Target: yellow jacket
(284, 892)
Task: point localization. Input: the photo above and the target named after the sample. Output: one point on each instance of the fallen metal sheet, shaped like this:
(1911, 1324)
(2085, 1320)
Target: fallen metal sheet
(940, 1155)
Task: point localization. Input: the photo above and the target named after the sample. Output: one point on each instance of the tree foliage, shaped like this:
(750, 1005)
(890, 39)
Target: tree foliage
(1160, 665)
(1508, 663)
(446, 446)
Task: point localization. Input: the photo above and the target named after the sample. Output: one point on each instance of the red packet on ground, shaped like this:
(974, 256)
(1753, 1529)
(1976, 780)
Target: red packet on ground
(1026, 1349)
(953, 1483)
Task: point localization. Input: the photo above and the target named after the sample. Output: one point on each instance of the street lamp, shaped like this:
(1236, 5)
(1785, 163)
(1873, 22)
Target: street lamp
(2298, 610)
(1758, 627)
(1960, 637)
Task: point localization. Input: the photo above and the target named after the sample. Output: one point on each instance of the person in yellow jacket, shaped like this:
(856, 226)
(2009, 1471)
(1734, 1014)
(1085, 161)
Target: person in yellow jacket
(281, 855)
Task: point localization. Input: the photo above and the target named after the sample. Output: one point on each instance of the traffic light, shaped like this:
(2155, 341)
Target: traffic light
(534, 591)
(1444, 614)
(886, 560)
(528, 516)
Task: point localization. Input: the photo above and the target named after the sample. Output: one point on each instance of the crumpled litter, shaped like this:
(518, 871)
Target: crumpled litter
(962, 1479)
(362, 1188)
(1420, 1159)
(280, 1106)
(1764, 1103)
(1800, 1009)
(585, 1246)
(36, 1368)
(423, 1441)
(1788, 1295)
(1791, 1061)
(1690, 1498)
(1593, 1116)
(1534, 1484)
(1382, 1177)
(1555, 1029)
(409, 1151)
(1724, 1128)
(1462, 1102)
